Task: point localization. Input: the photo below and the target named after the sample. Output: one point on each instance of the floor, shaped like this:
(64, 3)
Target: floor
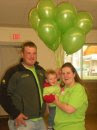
(91, 123)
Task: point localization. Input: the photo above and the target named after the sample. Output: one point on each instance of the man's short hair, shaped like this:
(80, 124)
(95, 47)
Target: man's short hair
(28, 44)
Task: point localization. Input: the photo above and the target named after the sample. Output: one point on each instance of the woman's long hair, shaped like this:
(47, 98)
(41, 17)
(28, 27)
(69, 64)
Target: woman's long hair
(69, 65)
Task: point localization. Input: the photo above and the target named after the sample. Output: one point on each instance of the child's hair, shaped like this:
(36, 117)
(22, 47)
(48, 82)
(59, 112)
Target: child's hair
(50, 71)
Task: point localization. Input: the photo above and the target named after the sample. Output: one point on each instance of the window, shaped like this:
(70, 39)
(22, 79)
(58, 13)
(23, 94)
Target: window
(85, 61)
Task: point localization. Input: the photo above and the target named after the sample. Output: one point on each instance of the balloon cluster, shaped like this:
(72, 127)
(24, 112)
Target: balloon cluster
(60, 24)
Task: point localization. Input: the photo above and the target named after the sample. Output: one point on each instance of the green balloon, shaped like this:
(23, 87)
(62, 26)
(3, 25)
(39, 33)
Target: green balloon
(65, 16)
(34, 18)
(73, 40)
(84, 21)
(46, 9)
(53, 46)
(49, 33)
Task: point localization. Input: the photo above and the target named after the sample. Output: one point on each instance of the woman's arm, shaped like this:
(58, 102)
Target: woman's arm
(63, 106)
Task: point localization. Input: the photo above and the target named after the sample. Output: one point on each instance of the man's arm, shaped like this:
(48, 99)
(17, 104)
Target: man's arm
(6, 101)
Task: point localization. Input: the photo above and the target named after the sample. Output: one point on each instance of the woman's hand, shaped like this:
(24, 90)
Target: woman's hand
(56, 101)
(64, 106)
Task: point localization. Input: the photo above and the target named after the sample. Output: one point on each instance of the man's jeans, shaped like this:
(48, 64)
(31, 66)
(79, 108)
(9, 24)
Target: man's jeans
(31, 125)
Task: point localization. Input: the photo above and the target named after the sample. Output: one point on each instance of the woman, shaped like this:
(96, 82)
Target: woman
(72, 103)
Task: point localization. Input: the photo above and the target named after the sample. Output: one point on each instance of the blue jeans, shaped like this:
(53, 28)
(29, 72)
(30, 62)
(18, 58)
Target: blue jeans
(52, 111)
(31, 125)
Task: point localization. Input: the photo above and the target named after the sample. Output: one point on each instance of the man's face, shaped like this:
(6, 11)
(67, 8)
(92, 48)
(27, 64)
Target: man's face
(29, 56)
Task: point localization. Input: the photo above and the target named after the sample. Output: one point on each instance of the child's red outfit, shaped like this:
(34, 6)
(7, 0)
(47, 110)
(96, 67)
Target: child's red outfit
(48, 98)
(49, 92)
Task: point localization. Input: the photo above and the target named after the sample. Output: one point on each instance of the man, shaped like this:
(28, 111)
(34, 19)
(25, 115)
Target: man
(22, 92)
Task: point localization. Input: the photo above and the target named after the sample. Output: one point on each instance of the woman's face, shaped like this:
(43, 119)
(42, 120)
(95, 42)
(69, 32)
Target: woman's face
(68, 76)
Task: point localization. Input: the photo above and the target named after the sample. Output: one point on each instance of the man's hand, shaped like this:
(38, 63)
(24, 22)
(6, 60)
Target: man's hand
(20, 120)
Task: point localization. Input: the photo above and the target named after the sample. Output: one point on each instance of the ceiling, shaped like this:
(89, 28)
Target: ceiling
(14, 13)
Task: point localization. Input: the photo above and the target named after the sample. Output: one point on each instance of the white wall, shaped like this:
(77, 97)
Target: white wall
(46, 57)
(91, 37)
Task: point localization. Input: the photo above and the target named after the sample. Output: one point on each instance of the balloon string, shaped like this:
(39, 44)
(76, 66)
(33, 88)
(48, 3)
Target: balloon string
(59, 56)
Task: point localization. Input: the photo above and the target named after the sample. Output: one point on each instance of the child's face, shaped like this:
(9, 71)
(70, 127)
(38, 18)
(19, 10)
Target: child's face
(52, 79)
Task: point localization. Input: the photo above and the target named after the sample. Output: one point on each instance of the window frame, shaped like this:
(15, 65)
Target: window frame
(82, 62)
